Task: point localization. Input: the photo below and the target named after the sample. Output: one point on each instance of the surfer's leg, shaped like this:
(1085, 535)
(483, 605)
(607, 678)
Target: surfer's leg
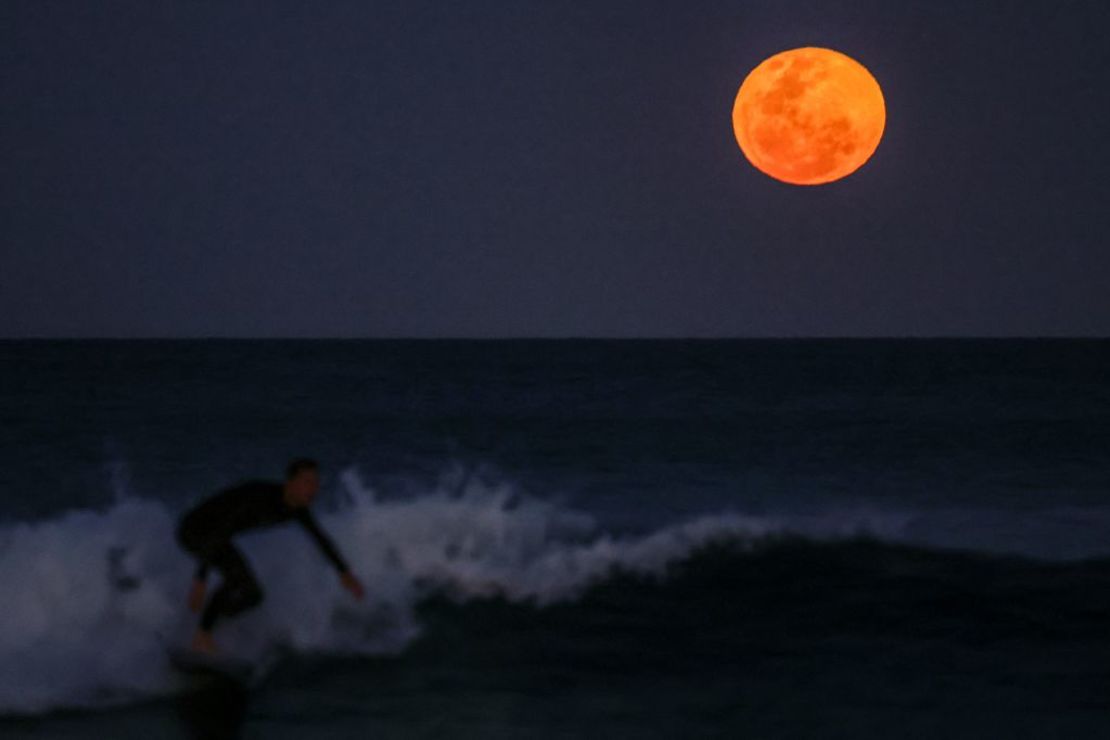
(238, 592)
(191, 536)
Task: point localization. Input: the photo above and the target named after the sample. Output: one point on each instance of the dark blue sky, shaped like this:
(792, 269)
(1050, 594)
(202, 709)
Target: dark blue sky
(542, 169)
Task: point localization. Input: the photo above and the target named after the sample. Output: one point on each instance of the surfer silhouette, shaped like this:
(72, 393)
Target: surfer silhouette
(205, 531)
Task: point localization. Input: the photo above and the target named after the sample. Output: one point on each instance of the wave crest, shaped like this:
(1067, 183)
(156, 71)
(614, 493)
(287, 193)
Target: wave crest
(93, 597)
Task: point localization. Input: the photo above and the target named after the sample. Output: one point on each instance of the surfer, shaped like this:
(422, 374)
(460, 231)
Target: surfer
(205, 532)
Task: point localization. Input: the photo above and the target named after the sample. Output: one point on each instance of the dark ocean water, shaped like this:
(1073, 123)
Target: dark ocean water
(578, 538)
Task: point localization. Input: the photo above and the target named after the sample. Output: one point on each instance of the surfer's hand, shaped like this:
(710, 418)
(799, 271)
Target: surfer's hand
(351, 584)
(196, 595)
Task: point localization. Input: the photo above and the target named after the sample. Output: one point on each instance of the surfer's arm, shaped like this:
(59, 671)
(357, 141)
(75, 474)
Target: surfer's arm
(322, 541)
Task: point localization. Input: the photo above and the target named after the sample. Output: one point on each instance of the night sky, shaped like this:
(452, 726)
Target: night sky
(547, 169)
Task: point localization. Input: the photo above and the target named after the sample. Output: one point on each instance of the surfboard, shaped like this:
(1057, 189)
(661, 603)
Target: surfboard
(196, 663)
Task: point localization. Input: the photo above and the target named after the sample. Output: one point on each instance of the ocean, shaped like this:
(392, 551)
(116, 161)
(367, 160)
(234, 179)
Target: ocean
(750, 538)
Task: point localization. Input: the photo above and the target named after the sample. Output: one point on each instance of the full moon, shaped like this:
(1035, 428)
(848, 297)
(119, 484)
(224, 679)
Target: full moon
(809, 116)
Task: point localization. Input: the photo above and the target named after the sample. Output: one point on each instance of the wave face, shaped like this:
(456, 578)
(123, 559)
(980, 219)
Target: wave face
(94, 596)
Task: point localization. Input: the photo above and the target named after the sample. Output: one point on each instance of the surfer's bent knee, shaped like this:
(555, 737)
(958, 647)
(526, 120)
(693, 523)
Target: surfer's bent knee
(188, 538)
(244, 596)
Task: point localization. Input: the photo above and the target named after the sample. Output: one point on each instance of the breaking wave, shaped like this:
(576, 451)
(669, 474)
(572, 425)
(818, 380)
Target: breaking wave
(93, 597)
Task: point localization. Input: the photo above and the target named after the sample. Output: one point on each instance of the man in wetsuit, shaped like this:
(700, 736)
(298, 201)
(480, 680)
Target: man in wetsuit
(205, 532)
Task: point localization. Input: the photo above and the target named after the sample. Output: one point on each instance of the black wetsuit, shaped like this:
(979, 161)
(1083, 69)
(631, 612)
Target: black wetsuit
(205, 531)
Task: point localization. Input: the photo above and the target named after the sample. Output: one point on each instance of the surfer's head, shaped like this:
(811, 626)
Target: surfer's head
(302, 481)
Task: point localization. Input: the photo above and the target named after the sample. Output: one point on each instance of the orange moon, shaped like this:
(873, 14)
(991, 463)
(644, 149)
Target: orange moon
(809, 116)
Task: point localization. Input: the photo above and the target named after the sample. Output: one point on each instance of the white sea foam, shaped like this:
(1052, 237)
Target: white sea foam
(92, 597)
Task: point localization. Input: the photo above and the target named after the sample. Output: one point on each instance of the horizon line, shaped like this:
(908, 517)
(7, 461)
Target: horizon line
(561, 338)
